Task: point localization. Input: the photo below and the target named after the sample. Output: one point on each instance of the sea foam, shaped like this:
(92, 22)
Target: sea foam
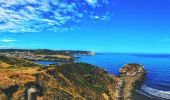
(155, 92)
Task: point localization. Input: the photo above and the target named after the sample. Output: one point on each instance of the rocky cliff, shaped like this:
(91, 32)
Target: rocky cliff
(74, 81)
(130, 74)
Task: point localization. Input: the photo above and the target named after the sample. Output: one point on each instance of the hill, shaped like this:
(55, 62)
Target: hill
(71, 81)
(12, 62)
(77, 81)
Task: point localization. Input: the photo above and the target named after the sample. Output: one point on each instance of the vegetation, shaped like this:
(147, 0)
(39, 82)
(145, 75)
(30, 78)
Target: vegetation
(78, 80)
(46, 51)
(84, 75)
(15, 62)
(69, 81)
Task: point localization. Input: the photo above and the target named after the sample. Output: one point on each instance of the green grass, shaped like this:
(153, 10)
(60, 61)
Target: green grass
(16, 62)
(85, 75)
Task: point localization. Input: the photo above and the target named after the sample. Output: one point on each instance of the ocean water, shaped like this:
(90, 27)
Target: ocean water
(155, 86)
(45, 62)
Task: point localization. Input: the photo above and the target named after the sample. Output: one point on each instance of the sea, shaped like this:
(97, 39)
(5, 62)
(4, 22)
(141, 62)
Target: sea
(156, 83)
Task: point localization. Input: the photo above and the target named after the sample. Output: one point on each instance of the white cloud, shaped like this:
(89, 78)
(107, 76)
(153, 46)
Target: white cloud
(48, 15)
(97, 17)
(92, 1)
(7, 40)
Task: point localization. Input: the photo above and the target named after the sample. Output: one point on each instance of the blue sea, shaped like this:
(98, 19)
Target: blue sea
(155, 86)
(45, 63)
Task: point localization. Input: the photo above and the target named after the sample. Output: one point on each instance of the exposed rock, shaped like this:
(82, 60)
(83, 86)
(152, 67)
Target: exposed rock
(119, 89)
(131, 74)
(32, 93)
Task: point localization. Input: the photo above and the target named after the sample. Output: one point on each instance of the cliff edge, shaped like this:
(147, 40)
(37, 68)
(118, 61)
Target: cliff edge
(130, 74)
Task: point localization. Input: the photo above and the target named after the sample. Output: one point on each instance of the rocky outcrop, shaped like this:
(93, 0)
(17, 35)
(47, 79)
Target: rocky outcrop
(130, 74)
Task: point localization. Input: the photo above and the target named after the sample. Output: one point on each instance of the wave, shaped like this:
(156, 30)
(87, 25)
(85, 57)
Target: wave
(143, 93)
(155, 92)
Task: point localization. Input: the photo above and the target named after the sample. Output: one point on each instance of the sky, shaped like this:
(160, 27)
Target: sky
(126, 26)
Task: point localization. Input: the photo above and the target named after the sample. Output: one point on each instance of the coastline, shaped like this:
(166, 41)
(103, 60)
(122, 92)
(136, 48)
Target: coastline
(138, 96)
(123, 85)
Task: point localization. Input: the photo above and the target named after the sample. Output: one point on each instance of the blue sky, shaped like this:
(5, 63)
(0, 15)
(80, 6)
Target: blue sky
(135, 26)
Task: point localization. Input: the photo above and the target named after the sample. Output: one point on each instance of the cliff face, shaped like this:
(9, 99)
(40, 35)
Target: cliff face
(130, 74)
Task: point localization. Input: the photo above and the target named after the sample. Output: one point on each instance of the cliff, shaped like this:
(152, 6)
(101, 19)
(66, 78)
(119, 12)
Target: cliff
(74, 81)
(130, 74)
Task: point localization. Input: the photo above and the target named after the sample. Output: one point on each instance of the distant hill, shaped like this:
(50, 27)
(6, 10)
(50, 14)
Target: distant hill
(46, 51)
(14, 62)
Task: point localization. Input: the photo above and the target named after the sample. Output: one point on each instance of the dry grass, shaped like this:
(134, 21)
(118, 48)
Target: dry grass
(61, 56)
(9, 78)
(4, 65)
(105, 96)
(6, 82)
(17, 94)
(29, 70)
(57, 56)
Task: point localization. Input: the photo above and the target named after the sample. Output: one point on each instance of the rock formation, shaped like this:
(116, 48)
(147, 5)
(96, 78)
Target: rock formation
(130, 74)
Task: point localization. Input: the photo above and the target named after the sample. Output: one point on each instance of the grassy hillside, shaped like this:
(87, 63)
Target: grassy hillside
(71, 81)
(14, 62)
(77, 81)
